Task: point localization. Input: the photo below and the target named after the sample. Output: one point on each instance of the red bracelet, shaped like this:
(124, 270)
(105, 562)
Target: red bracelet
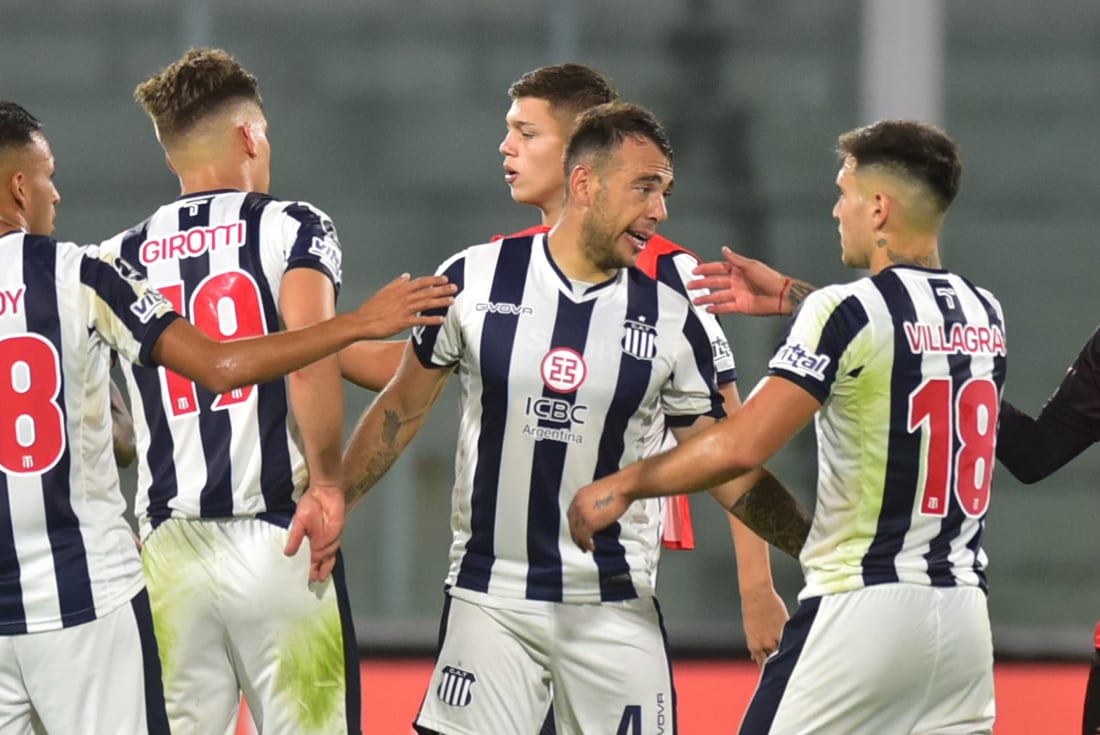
(782, 291)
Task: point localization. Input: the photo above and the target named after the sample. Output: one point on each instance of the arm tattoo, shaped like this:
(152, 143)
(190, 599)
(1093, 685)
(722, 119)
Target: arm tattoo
(382, 458)
(602, 502)
(799, 290)
(769, 509)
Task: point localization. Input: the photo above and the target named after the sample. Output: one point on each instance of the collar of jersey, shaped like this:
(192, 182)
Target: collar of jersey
(566, 284)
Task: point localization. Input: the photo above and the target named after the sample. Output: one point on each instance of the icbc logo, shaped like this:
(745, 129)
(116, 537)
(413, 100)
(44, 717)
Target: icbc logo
(563, 370)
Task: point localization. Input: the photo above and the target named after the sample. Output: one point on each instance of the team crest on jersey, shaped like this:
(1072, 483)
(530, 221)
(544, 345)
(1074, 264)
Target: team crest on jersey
(563, 370)
(639, 340)
(456, 687)
(797, 359)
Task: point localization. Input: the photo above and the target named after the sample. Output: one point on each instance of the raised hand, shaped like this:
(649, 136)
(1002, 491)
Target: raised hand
(740, 285)
(320, 516)
(594, 508)
(401, 304)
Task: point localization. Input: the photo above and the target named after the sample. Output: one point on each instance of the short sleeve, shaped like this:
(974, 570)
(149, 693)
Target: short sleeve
(692, 391)
(313, 242)
(441, 346)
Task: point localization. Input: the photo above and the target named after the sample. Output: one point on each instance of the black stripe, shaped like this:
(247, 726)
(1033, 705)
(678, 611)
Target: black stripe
(843, 325)
(353, 695)
(630, 388)
(272, 403)
(498, 338)
(156, 716)
(903, 454)
(544, 572)
(74, 586)
(13, 619)
(777, 672)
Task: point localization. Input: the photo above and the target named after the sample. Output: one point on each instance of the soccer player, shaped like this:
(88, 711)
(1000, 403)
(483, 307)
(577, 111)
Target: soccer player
(77, 650)
(565, 355)
(545, 104)
(222, 475)
(904, 371)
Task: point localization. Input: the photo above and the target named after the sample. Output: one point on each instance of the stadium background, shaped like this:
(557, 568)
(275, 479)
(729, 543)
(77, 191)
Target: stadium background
(388, 116)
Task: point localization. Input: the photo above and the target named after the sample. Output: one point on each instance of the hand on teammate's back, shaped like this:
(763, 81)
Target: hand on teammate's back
(402, 304)
(320, 516)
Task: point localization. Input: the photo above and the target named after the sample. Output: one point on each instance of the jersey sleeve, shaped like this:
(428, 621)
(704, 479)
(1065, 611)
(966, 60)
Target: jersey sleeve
(824, 340)
(441, 346)
(692, 390)
(681, 266)
(311, 241)
(127, 312)
(1076, 402)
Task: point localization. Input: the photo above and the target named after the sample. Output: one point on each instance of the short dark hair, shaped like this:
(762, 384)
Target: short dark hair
(572, 88)
(603, 128)
(913, 150)
(203, 81)
(17, 126)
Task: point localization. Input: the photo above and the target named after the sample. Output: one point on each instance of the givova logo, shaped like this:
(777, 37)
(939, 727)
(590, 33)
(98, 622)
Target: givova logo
(456, 687)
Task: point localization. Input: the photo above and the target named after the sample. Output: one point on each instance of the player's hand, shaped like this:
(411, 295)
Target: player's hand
(764, 614)
(740, 285)
(594, 508)
(399, 304)
(320, 516)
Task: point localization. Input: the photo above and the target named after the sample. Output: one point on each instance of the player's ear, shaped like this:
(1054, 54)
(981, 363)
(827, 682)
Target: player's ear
(248, 132)
(16, 190)
(581, 182)
(880, 209)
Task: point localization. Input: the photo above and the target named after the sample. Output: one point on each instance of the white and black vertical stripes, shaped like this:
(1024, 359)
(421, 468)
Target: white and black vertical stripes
(559, 382)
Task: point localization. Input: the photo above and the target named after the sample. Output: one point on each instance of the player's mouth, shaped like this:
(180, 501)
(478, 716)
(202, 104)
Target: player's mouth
(638, 239)
(510, 175)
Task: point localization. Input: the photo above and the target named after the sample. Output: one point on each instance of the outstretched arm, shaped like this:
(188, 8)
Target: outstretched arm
(222, 366)
(371, 363)
(390, 423)
(740, 285)
(775, 412)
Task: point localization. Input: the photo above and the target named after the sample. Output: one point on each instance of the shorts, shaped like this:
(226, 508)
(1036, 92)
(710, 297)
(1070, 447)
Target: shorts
(605, 667)
(234, 614)
(101, 676)
(890, 659)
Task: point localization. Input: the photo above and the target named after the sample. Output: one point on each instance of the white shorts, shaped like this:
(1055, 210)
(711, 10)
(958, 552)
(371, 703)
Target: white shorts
(605, 666)
(234, 614)
(890, 659)
(98, 677)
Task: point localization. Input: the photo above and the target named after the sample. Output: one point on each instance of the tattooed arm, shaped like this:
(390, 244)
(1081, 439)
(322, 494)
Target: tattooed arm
(390, 424)
(732, 449)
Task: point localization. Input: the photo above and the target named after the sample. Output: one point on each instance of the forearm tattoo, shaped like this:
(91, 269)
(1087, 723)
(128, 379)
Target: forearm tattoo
(769, 509)
(381, 459)
(798, 291)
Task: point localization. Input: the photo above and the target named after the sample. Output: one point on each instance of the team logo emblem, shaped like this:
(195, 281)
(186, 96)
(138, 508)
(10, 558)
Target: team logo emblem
(456, 688)
(639, 340)
(563, 370)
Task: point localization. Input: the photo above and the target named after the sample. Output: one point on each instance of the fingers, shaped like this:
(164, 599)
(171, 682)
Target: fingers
(297, 532)
(716, 268)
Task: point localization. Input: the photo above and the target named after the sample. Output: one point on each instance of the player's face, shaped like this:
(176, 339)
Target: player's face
(40, 194)
(532, 150)
(628, 205)
(852, 212)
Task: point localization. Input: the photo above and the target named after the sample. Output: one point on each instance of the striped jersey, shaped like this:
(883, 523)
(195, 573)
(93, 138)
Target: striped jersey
(909, 366)
(219, 257)
(560, 383)
(67, 556)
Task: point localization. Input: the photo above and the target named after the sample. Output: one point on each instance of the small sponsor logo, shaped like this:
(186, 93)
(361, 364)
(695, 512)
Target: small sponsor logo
(639, 340)
(504, 308)
(456, 687)
(721, 349)
(798, 359)
(563, 370)
(148, 305)
(327, 250)
(556, 410)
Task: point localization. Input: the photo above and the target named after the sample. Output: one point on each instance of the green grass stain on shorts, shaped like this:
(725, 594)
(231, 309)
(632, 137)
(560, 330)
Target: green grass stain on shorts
(311, 671)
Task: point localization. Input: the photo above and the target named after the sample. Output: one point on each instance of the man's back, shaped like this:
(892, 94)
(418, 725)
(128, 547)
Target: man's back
(909, 365)
(220, 257)
(67, 554)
